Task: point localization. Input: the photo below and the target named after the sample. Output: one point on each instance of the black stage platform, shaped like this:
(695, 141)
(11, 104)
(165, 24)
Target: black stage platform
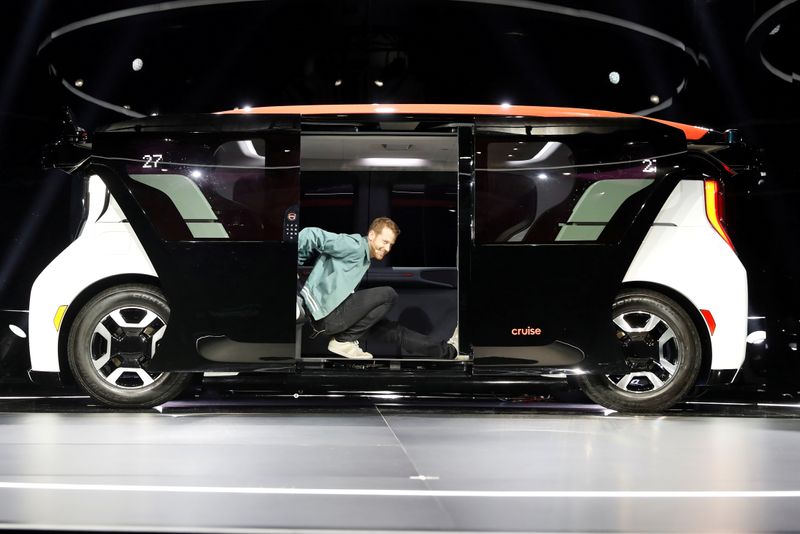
(247, 463)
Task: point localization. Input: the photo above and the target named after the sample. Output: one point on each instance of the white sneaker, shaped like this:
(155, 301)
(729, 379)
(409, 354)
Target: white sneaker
(348, 349)
(454, 338)
(454, 342)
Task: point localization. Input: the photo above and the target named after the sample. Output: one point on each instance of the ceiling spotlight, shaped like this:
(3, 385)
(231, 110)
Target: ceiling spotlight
(338, 82)
(655, 99)
(505, 105)
(79, 82)
(379, 83)
(775, 30)
(137, 64)
(613, 77)
(247, 109)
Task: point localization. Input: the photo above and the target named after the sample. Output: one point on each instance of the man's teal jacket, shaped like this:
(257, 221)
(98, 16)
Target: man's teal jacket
(343, 261)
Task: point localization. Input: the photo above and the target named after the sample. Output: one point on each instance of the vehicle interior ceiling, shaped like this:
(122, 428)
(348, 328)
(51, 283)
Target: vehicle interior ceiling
(349, 178)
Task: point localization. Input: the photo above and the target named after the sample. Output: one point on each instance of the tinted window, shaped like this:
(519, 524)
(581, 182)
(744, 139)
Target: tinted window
(424, 207)
(235, 189)
(328, 200)
(578, 188)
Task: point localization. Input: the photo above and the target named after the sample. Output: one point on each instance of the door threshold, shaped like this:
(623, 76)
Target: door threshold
(383, 364)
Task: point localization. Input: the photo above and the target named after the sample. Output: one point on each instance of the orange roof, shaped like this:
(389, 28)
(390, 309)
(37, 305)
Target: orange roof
(692, 133)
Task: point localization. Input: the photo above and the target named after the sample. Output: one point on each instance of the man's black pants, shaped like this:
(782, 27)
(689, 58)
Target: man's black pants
(364, 311)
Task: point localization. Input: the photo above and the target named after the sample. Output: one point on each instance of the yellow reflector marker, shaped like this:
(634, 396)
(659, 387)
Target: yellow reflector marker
(59, 316)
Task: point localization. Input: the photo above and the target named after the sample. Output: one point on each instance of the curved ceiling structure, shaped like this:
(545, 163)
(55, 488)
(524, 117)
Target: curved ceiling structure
(326, 52)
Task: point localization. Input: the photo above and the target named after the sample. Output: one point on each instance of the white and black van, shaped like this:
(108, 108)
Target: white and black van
(564, 243)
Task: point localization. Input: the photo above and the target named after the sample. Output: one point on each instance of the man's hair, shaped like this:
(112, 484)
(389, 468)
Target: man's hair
(380, 223)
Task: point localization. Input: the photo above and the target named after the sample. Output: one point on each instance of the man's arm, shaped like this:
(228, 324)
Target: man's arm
(316, 239)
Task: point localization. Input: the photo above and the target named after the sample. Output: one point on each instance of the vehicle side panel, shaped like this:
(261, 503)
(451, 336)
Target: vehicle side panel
(683, 251)
(541, 289)
(210, 210)
(106, 247)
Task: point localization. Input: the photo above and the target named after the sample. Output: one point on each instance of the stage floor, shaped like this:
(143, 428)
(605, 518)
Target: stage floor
(258, 464)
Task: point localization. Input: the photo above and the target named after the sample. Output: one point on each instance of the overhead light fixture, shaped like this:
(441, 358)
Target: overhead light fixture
(137, 64)
(247, 109)
(655, 99)
(379, 83)
(505, 105)
(338, 82)
(79, 82)
(393, 162)
(126, 106)
(613, 77)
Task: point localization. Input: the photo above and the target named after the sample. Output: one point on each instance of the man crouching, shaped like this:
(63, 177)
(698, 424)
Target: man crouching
(347, 315)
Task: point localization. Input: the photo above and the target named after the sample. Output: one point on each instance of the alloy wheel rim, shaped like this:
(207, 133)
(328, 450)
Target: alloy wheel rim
(651, 352)
(122, 341)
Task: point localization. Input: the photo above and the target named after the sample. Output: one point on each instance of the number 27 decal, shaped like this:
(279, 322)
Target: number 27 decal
(151, 161)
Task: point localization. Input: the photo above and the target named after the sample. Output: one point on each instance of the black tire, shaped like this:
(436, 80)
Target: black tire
(120, 382)
(661, 375)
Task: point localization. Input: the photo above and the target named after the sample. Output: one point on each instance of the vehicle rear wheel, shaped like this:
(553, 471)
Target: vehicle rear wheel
(662, 351)
(112, 337)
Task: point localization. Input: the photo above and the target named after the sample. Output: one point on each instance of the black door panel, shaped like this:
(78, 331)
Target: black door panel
(220, 250)
(557, 214)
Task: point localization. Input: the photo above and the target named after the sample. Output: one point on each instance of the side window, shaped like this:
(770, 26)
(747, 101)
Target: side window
(222, 190)
(423, 204)
(565, 189)
(329, 200)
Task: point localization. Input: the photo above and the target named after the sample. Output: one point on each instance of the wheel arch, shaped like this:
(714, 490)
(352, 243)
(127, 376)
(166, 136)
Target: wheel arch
(694, 315)
(80, 301)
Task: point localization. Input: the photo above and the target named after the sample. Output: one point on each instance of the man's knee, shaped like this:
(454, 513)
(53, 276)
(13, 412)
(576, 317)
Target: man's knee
(388, 294)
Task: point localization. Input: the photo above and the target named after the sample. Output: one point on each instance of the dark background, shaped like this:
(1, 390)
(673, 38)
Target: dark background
(716, 63)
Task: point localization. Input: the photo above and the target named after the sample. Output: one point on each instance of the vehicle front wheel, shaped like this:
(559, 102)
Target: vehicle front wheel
(111, 339)
(662, 351)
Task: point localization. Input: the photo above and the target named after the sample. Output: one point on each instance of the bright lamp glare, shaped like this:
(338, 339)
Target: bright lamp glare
(756, 338)
(19, 332)
(393, 162)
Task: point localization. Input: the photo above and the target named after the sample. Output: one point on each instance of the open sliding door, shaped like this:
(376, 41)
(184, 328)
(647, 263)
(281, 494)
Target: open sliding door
(216, 212)
(556, 213)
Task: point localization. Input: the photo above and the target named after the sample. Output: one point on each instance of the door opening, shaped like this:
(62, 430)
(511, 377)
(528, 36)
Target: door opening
(348, 180)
